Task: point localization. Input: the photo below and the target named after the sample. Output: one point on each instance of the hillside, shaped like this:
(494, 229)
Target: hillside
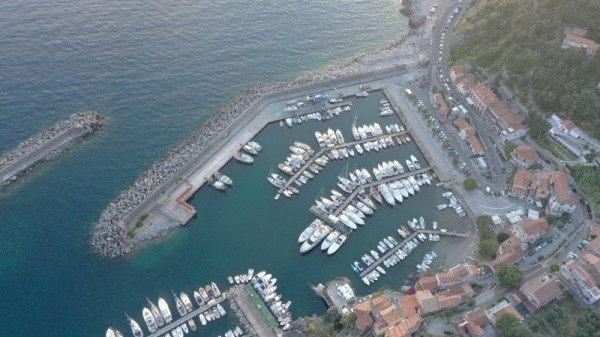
(519, 43)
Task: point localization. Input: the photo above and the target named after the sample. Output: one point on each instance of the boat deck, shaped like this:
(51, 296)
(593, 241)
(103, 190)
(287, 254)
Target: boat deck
(338, 146)
(194, 313)
(398, 246)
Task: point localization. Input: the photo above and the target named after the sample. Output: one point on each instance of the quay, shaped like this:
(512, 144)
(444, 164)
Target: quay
(256, 314)
(48, 145)
(338, 146)
(401, 244)
(174, 324)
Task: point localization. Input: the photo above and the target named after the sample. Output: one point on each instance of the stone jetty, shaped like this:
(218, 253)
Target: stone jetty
(114, 236)
(48, 145)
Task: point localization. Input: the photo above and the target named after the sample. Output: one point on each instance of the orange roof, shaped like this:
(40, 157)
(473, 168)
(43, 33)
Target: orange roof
(443, 106)
(475, 330)
(531, 226)
(509, 309)
(527, 152)
(561, 188)
(568, 124)
(590, 44)
(523, 179)
(579, 31)
(544, 288)
(507, 115)
(427, 283)
(592, 260)
(484, 93)
(457, 71)
(409, 304)
(595, 229)
(464, 126)
(467, 83)
(475, 144)
(477, 316)
(405, 328)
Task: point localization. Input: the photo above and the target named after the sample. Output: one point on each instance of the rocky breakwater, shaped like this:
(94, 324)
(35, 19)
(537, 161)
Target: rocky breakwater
(115, 235)
(48, 144)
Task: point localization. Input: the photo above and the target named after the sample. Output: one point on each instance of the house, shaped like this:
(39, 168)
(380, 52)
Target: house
(428, 304)
(464, 128)
(427, 283)
(509, 252)
(562, 199)
(456, 73)
(591, 264)
(482, 96)
(465, 85)
(442, 105)
(506, 120)
(576, 39)
(475, 145)
(383, 313)
(524, 156)
(458, 274)
(501, 309)
(571, 137)
(594, 245)
(454, 296)
(406, 327)
(580, 281)
(529, 230)
(474, 323)
(539, 291)
(521, 183)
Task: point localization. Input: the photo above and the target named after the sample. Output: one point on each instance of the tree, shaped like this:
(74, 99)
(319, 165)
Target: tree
(347, 321)
(501, 237)
(508, 148)
(554, 268)
(588, 324)
(488, 248)
(470, 184)
(510, 276)
(484, 220)
(509, 326)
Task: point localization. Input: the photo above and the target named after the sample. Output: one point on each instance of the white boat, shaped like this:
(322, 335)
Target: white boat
(110, 332)
(410, 165)
(199, 299)
(255, 145)
(355, 133)
(315, 238)
(219, 185)
(422, 222)
(329, 240)
(336, 244)
(158, 318)
(149, 319)
(408, 186)
(135, 327)
(185, 327)
(339, 136)
(434, 225)
(308, 231)
(354, 217)
(202, 319)
(387, 195)
(164, 310)
(221, 310)
(362, 94)
(243, 158)
(186, 301)
(346, 221)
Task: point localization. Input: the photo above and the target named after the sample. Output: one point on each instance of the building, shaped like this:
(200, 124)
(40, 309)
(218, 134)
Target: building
(442, 105)
(529, 230)
(465, 85)
(475, 145)
(531, 186)
(571, 137)
(539, 291)
(461, 273)
(524, 156)
(501, 309)
(522, 183)
(580, 281)
(406, 327)
(509, 252)
(482, 96)
(464, 128)
(562, 199)
(382, 314)
(575, 38)
(506, 120)
(456, 73)
(475, 323)
(591, 264)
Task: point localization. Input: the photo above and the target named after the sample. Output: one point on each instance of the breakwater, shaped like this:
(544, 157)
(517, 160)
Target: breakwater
(113, 235)
(48, 145)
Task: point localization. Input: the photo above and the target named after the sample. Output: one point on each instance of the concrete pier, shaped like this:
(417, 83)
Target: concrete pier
(190, 315)
(259, 323)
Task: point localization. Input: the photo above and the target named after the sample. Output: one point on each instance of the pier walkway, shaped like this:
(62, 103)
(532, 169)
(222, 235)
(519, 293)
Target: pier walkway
(252, 312)
(174, 324)
(338, 146)
(405, 241)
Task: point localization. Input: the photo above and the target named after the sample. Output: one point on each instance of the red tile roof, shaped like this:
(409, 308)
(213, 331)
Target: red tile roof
(464, 126)
(476, 146)
(523, 179)
(527, 152)
(506, 115)
(589, 44)
(483, 93)
(568, 124)
(537, 226)
(439, 99)
(561, 188)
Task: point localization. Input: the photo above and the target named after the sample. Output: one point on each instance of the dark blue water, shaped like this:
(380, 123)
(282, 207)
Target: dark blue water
(158, 71)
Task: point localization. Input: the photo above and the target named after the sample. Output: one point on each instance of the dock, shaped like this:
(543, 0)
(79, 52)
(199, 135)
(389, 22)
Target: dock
(194, 313)
(337, 146)
(405, 241)
(261, 320)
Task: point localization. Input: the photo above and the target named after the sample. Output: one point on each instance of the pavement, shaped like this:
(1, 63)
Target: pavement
(253, 315)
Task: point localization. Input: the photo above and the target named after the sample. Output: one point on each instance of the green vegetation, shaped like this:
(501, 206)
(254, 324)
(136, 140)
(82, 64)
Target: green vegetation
(554, 268)
(488, 243)
(566, 319)
(261, 306)
(508, 148)
(484, 220)
(520, 42)
(141, 220)
(329, 325)
(488, 248)
(588, 180)
(470, 184)
(509, 326)
(510, 277)
(501, 237)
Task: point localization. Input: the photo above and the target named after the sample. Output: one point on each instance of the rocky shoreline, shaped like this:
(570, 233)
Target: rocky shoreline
(88, 121)
(109, 237)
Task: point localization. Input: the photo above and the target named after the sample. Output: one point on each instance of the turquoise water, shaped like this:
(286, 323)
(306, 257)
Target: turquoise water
(158, 71)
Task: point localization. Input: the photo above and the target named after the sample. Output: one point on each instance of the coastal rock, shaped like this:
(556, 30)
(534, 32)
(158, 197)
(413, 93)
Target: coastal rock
(416, 21)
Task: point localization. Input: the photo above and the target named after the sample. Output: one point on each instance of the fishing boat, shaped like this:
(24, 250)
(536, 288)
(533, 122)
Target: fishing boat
(329, 240)
(255, 145)
(219, 185)
(186, 301)
(135, 327)
(149, 319)
(158, 318)
(243, 158)
(315, 238)
(308, 231)
(164, 310)
(335, 246)
(179, 304)
(249, 149)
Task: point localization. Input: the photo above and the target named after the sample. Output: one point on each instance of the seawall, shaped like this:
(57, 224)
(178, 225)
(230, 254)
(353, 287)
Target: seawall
(48, 145)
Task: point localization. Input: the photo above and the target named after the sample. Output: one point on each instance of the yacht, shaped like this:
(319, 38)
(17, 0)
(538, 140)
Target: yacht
(219, 185)
(185, 328)
(243, 158)
(336, 244)
(110, 332)
(186, 301)
(135, 327)
(308, 231)
(202, 319)
(179, 304)
(221, 310)
(255, 145)
(346, 221)
(199, 299)
(387, 195)
(192, 324)
(329, 240)
(158, 318)
(149, 319)
(376, 195)
(223, 178)
(422, 222)
(215, 289)
(315, 238)
(164, 310)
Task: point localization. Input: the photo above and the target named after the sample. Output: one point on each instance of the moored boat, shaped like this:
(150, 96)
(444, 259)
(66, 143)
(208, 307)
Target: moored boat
(308, 231)
(243, 158)
(149, 319)
(135, 327)
(192, 324)
(315, 238)
(202, 319)
(186, 301)
(179, 304)
(215, 289)
(329, 240)
(335, 246)
(156, 313)
(110, 332)
(164, 310)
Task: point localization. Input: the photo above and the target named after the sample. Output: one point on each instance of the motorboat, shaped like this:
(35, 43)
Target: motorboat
(149, 319)
(186, 301)
(202, 319)
(329, 240)
(179, 304)
(164, 310)
(376, 195)
(185, 328)
(346, 221)
(243, 158)
(221, 310)
(315, 238)
(199, 299)
(192, 324)
(110, 332)
(217, 184)
(335, 246)
(158, 318)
